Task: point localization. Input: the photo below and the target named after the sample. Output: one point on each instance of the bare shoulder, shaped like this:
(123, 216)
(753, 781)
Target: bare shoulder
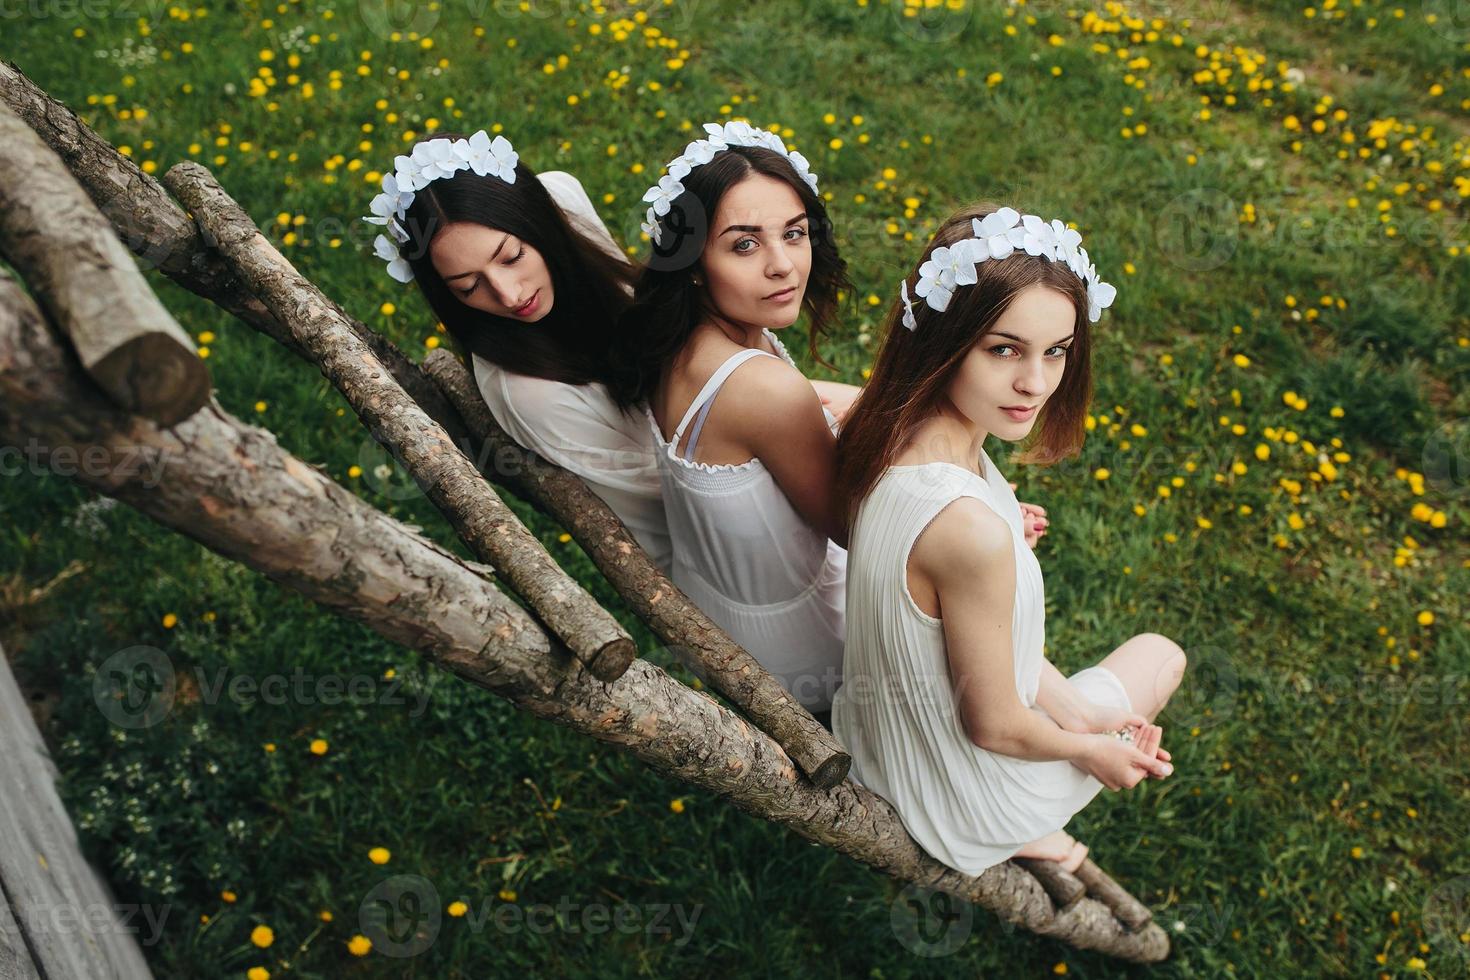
(770, 387)
(966, 541)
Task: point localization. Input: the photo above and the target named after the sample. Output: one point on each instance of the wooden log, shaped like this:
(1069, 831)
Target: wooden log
(162, 236)
(690, 634)
(149, 220)
(232, 488)
(58, 918)
(441, 470)
(56, 238)
(1129, 910)
(1063, 886)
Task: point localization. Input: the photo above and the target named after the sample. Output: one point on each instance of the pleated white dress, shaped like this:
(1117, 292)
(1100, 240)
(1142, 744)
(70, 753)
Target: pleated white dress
(579, 427)
(749, 560)
(967, 807)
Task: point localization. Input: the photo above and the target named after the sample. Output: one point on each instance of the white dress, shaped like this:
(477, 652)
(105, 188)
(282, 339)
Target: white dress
(967, 807)
(749, 560)
(579, 427)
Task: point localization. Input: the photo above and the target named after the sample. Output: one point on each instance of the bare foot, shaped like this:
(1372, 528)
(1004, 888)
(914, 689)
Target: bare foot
(1060, 847)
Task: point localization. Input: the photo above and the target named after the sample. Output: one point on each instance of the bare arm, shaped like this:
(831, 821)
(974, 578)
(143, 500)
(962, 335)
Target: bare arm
(1061, 701)
(967, 552)
(778, 417)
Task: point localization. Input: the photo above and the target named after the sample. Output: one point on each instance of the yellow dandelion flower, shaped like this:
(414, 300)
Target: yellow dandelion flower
(262, 936)
(359, 945)
(379, 855)
(457, 909)
(319, 746)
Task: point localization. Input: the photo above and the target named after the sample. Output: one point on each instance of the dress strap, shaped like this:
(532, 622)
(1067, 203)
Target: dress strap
(707, 394)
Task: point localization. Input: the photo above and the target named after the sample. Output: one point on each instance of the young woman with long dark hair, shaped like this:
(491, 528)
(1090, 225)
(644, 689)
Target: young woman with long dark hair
(745, 447)
(948, 705)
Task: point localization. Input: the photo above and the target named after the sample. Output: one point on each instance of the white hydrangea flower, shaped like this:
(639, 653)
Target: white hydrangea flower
(398, 266)
(947, 268)
(428, 161)
(663, 194)
(997, 236)
(908, 306)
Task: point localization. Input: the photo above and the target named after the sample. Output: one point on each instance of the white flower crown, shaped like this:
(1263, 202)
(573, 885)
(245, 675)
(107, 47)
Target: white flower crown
(998, 235)
(430, 160)
(663, 194)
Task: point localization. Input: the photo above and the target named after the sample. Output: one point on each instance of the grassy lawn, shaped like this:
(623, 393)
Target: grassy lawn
(1278, 478)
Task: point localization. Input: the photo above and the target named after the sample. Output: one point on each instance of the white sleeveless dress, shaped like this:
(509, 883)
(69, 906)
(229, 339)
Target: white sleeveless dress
(967, 807)
(749, 560)
(579, 427)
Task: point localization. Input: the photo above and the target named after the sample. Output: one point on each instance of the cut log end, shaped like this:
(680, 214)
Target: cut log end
(831, 772)
(155, 376)
(613, 660)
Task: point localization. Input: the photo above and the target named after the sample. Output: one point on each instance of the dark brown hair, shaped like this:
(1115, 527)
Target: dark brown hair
(915, 367)
(668, 304)
(592, 287)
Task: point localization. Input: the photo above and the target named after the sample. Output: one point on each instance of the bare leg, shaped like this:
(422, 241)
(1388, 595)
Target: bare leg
(1150, 667)
(1060, 847)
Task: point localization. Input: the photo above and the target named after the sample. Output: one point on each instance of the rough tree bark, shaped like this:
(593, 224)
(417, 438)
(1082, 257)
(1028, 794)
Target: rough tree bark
(445, 475)
(690, 634)
(160, 233)
(125, 338)
(162, 236)
(232, 488)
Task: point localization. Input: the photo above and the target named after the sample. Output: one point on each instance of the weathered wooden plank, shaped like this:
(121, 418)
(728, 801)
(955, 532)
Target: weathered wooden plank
(58, 919)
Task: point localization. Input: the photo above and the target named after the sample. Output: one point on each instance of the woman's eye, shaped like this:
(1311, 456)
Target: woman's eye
(473, 286)
(517, 256)
(1000, 347)
(798, 232)
(744, 241)
(1061, 351)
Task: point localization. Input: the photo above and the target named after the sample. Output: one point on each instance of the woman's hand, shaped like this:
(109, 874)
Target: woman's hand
(1033, 521)
(1098, 718)
(836, 397)
(1118, 765)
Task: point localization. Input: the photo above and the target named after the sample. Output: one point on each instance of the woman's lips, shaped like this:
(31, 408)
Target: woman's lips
(1020, 415)
(531, 305)
(784, 296)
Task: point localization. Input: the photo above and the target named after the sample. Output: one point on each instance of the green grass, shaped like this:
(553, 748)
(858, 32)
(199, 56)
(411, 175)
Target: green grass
(1319, 801)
